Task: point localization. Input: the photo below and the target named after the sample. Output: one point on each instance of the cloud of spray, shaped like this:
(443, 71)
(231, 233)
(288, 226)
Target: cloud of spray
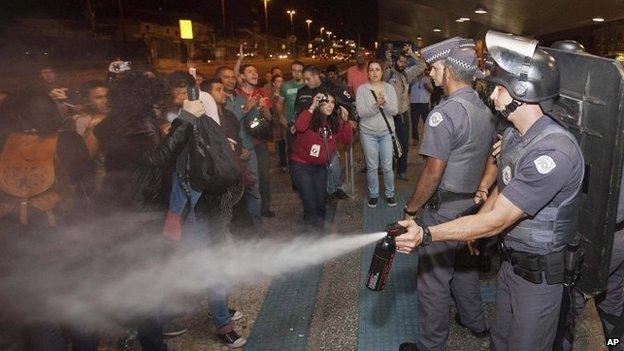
(96, 277)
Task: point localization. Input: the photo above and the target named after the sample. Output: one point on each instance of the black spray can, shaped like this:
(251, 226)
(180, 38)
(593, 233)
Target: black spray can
(379, 270)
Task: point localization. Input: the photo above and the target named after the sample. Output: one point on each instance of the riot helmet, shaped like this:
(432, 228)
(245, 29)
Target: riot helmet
(529, 73)
(571, 46)
(259, 127)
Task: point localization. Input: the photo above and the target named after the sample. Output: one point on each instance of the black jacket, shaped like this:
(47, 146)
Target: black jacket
(343, 98)
(139, 161)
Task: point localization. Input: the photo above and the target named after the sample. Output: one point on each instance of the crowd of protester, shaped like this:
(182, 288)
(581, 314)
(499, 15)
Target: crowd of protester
(128, 144)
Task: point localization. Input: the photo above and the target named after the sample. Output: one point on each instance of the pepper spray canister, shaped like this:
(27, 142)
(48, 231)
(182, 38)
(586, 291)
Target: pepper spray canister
(379, 270)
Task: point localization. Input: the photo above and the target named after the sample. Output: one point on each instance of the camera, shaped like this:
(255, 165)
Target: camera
(193, 92)
(323, 98)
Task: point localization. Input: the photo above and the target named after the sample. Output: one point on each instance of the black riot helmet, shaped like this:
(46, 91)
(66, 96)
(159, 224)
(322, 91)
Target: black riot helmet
(572, 46)
(259, 127)
(529, 73)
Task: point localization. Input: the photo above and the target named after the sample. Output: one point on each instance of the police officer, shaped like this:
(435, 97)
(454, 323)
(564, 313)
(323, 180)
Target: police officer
(535, 200)
(456, 147)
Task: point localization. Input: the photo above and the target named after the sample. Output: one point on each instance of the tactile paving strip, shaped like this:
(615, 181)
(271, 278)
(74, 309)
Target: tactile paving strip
(389, 317)
(284, 320)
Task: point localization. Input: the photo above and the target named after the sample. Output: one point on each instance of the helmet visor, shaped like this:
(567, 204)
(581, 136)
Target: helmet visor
(509, 51)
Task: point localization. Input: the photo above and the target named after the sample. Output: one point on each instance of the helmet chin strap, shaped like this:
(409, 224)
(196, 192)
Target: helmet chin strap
(510, 108)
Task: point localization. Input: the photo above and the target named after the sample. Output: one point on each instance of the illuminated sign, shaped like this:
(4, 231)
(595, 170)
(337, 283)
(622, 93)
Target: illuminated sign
(186, 29)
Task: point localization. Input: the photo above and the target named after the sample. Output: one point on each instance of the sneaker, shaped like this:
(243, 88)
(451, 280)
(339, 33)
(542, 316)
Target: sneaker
(372, 202)
(478, 335)
(172, 329)
(232, 339)
(268, 214)
(340, 194)
(401, 176)
(390, 201)
(234, 314)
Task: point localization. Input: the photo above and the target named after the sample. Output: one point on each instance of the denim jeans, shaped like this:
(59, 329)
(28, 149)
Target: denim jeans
(197, 235)
(252, 192)
(401, 129)
(311, 182)
(378, 152)
(334, 181)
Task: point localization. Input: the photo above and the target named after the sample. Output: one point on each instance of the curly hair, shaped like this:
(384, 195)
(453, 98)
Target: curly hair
(133, 95)
(332, 120)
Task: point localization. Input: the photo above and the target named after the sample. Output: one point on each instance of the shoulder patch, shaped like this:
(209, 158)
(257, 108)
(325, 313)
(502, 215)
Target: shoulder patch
(544, 164)
(506, 175)
(435, 119)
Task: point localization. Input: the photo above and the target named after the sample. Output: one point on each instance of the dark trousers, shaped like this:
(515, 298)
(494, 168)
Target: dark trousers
(281, 152)
(401, 129)
(262, 154)
(150, 335)
(50, 338)
(311, 182)
(290, 139)
(418, 111)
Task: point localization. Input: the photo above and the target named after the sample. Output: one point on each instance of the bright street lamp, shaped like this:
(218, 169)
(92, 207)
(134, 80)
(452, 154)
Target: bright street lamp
(291, 13)
(308, 21)
(266, 28)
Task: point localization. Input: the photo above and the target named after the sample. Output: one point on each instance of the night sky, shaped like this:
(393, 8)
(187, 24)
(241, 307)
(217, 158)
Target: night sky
(345, 18)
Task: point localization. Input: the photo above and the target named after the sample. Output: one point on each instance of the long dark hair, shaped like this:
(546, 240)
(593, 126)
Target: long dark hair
(332, 120)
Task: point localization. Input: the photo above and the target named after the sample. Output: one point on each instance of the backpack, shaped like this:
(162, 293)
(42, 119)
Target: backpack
(213, 166)
(27, 176)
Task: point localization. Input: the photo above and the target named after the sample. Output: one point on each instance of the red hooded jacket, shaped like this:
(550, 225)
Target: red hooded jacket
(309, 147)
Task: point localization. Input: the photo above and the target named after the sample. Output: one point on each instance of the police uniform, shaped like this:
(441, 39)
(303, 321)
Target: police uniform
(458, 131)
(541, 173)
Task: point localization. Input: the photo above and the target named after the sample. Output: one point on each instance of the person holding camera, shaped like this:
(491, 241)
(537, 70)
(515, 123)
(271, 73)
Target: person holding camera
(317, 130)
(374, 101)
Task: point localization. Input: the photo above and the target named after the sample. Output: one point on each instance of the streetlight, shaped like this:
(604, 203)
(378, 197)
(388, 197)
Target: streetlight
(291, 13)
(266, 28)
(321, 30)
(308, 21)
(329, 34)
(266, 17)
(223, 15)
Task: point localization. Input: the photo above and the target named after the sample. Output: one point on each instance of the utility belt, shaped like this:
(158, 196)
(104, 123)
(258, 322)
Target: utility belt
(442, 196)
(561, 267)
